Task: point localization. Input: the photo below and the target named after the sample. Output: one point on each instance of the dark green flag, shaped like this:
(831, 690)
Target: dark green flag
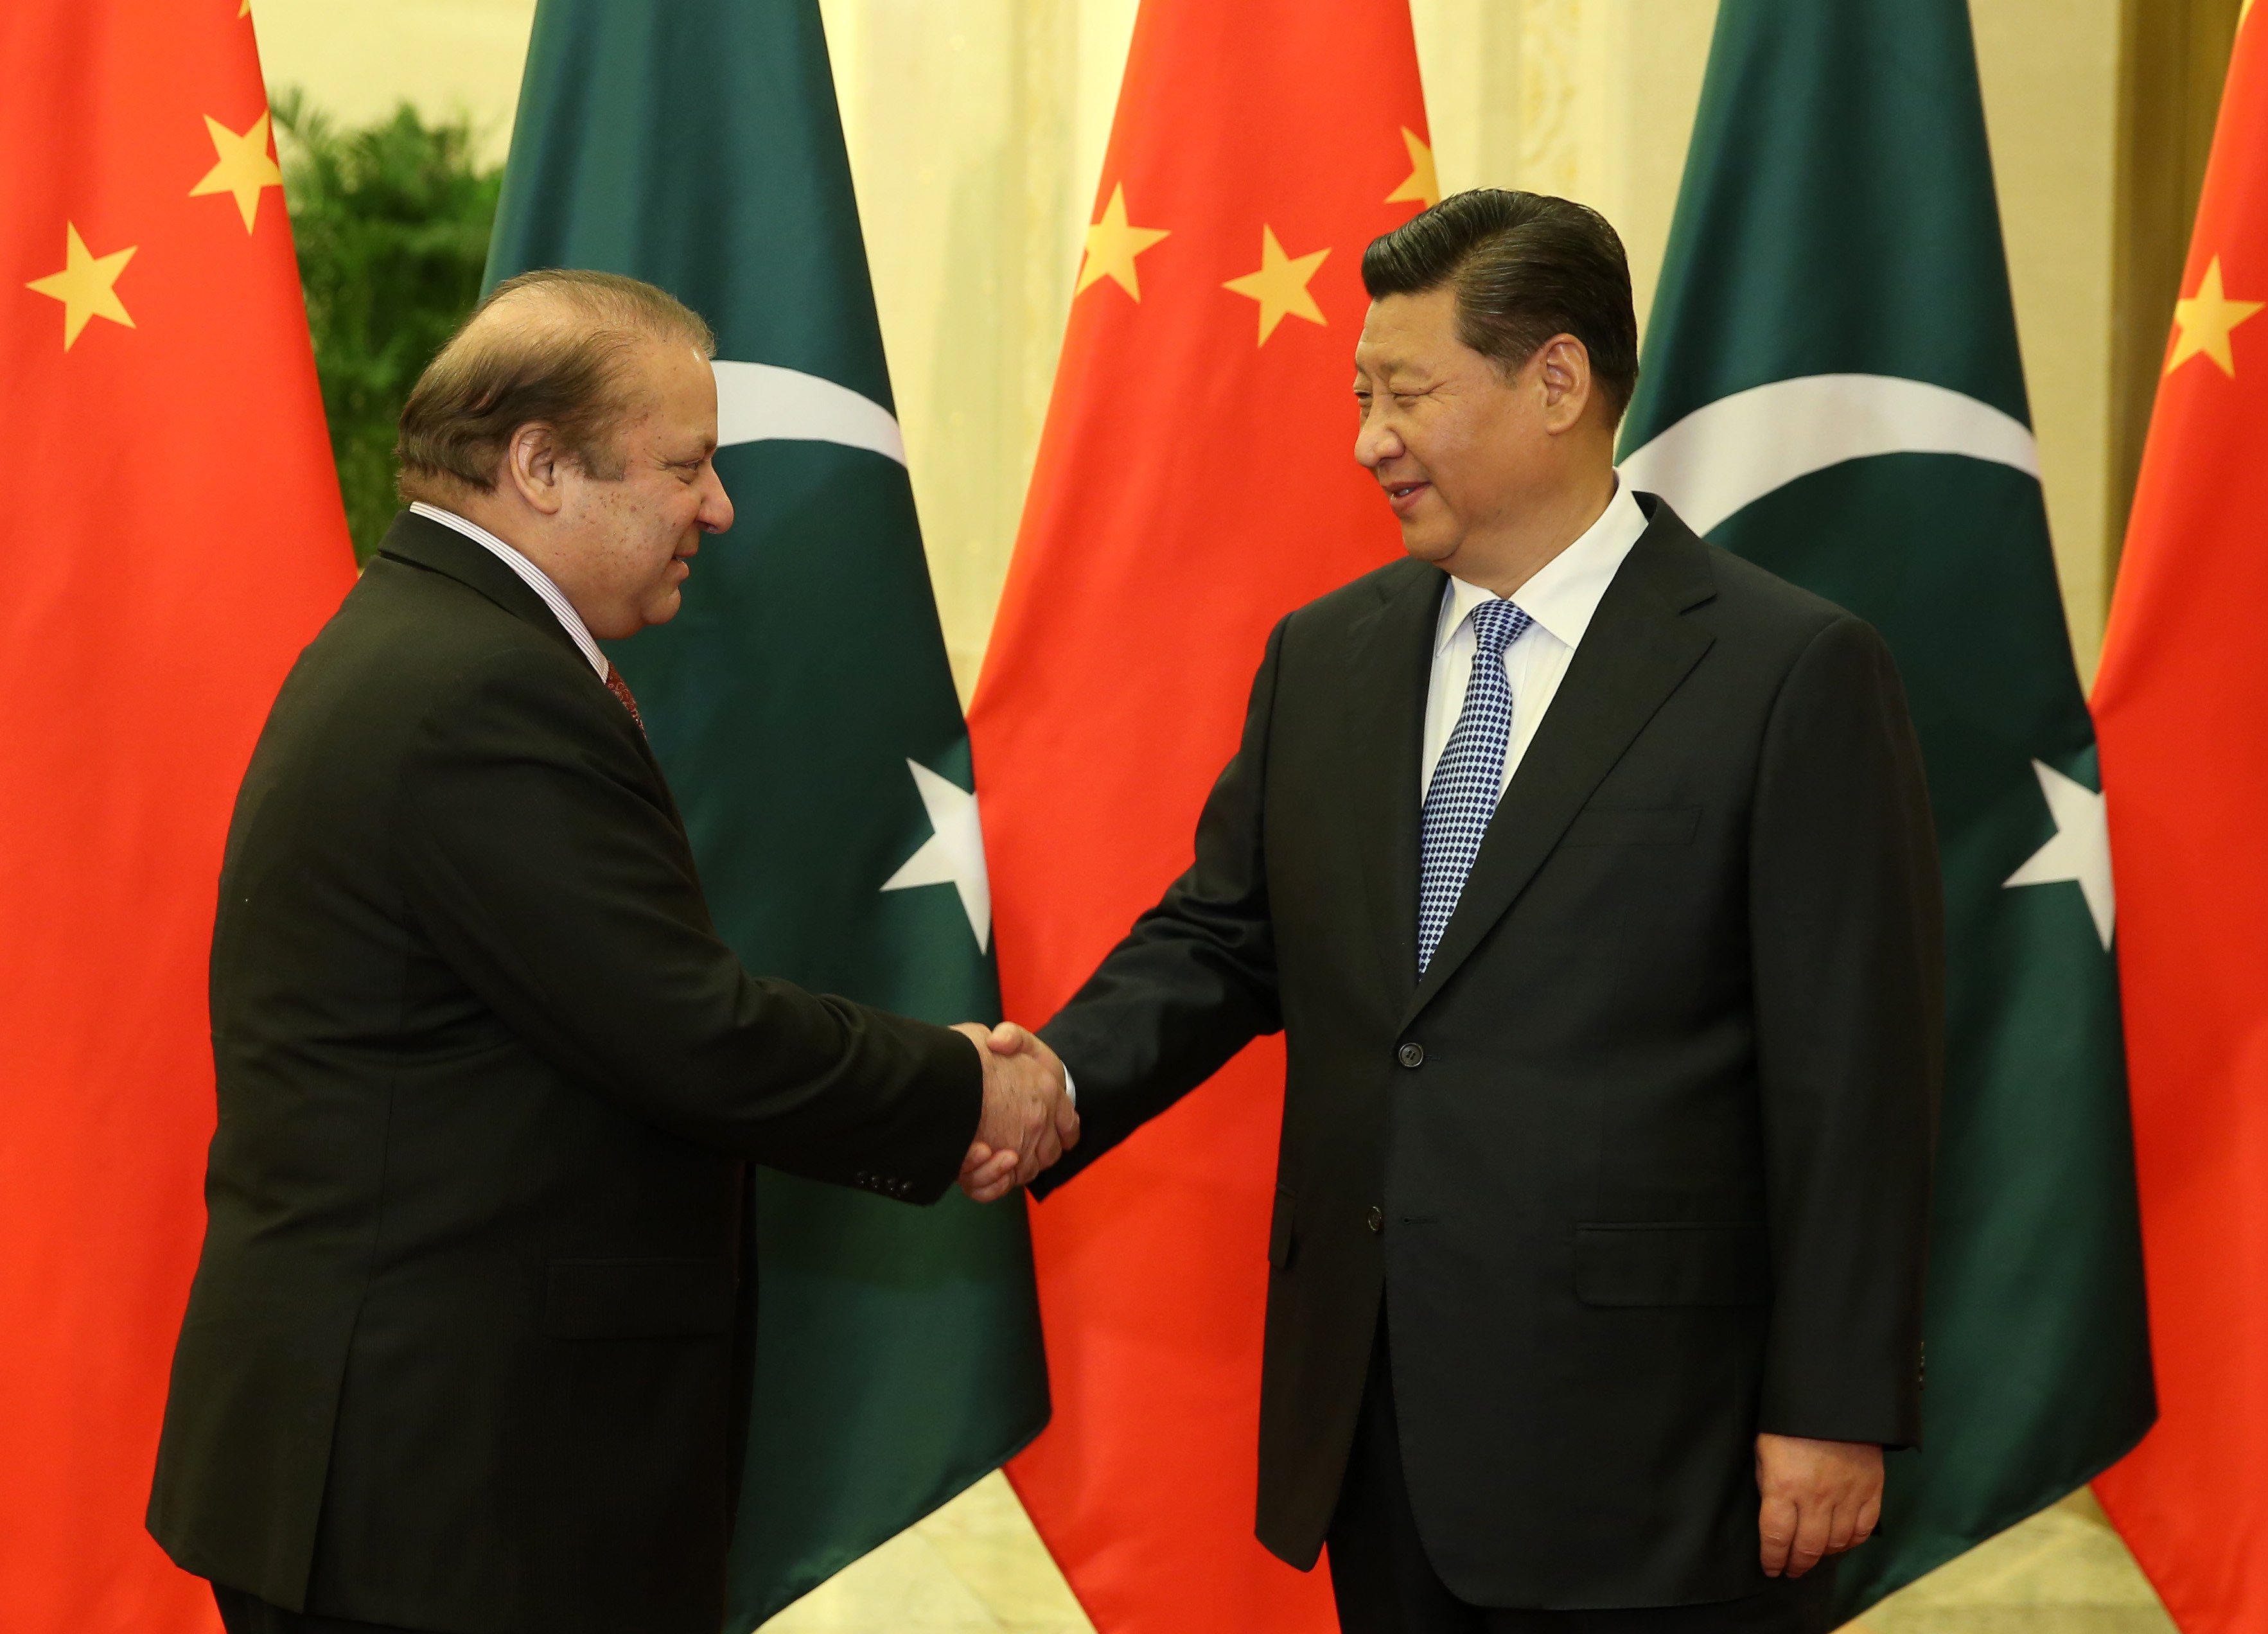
(1832, 388)
(803, 709)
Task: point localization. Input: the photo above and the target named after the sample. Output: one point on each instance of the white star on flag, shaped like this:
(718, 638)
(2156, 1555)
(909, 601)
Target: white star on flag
(954, 853)
(2080, 850)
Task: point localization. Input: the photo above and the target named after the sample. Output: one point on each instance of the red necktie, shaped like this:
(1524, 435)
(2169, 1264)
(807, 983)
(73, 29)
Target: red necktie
(621, 688)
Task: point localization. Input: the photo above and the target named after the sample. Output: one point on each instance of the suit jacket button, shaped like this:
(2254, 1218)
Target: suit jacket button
(1411, 1055)
(1376, 1218)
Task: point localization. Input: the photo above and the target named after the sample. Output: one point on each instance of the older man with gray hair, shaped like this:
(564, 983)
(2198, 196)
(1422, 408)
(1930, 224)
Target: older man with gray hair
(459, 1355)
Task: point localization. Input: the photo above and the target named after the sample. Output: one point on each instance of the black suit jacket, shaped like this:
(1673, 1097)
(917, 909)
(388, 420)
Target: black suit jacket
(1641, 1166)
(458, 1353)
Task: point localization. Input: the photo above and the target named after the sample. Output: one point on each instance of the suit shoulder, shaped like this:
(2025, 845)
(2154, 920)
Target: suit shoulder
(1364, 595)
(427, 630)
(1760, 594)
(1756, 603)
(408, 652)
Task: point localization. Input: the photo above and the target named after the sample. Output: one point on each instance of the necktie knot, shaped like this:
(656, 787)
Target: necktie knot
(1497, 625)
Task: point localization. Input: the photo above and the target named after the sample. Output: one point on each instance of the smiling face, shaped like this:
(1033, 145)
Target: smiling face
(1463, 450)
(621, 548)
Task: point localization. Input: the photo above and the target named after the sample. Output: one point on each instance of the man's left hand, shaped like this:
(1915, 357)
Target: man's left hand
(1820, 1498)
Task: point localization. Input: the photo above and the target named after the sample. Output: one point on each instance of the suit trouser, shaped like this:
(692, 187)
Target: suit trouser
(247, 1614)
(1385, 1583)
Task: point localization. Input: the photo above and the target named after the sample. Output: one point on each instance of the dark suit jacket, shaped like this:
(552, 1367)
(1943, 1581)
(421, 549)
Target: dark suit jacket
(1641, 1166)
(457, 1354)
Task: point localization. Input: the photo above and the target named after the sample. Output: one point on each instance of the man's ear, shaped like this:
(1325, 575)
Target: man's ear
(1563, 373)
(532, 466)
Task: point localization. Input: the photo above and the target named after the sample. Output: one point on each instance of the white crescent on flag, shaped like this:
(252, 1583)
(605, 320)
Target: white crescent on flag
(1731, 453)
(759, 402)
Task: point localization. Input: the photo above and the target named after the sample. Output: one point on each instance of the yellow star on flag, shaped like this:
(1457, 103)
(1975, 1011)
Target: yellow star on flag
(2204, 321)
(84, 285)
(1112, 244)
(244, 169)
(1280, 286)
(1421, 185)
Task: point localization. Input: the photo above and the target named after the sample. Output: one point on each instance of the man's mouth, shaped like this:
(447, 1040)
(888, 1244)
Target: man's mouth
(1402, 496)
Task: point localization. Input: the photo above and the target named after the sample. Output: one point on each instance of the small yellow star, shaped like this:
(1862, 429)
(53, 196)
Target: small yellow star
(84, 285)
(1280, 286)
(1421, 185)
(1112, 246)
(245, 10)
(2204, 321)
(244, 169)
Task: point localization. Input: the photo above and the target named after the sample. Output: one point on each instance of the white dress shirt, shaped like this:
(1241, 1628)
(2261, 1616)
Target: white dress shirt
(538, 580)
(1561, 600)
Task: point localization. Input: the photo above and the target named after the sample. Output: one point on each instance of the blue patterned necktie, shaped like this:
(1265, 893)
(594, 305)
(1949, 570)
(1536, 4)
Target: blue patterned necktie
(1468, 778)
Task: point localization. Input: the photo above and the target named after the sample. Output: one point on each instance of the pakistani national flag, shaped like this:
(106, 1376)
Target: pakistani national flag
(802, 706)
(1832, 389)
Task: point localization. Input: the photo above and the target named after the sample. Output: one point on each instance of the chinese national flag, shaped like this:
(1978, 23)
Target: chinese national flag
(173, 537)
(1194, 483)
(2182, 709)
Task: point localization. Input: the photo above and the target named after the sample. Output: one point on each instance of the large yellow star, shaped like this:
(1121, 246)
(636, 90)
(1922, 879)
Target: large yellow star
(1112, 246)
(244, 169)
(2204, 321)
(1421, 185)
(84, 285)
(1280, 286)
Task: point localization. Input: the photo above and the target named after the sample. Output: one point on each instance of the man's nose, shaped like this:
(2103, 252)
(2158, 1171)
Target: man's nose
(715, 513)
(1376, 443)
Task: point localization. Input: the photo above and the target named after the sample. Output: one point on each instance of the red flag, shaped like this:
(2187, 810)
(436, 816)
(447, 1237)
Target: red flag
(174, 536)
(1196, 481)
(2182, 710)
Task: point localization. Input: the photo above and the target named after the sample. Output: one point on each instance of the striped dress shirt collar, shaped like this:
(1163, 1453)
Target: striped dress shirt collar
(537, 580)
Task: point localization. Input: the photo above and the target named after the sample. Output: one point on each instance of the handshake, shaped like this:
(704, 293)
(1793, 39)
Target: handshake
(1028, 1120)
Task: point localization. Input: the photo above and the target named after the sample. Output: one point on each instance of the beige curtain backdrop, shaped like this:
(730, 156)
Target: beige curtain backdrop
(977, 129)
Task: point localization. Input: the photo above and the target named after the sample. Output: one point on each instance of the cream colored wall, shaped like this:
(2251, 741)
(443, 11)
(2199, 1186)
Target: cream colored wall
(358, 58)
(976, 129)
(2050, 74)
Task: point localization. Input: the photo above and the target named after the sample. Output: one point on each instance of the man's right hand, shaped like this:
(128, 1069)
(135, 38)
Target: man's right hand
(1028, 1120)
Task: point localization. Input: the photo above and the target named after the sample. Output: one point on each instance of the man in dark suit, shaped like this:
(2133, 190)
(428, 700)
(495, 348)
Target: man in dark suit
(458, 1356)
(1589, 874)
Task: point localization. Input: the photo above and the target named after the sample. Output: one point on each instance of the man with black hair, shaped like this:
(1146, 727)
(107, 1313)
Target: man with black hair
(1589, 872)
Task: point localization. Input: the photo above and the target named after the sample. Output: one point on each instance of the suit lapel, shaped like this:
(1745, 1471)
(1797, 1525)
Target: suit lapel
(1390, 664)
(1635, 653)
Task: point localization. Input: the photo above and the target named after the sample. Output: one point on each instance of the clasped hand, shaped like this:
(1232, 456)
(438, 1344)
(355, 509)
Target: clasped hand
(1028, 1121)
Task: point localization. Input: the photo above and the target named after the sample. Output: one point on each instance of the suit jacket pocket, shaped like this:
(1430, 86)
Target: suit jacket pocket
(1664, 825)
(1279, 1230)
(637, 1298)
(1672, 1264)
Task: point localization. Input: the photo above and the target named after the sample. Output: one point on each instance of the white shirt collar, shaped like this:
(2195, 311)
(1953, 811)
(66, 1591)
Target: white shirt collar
(1564, 594)
(535, 578)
